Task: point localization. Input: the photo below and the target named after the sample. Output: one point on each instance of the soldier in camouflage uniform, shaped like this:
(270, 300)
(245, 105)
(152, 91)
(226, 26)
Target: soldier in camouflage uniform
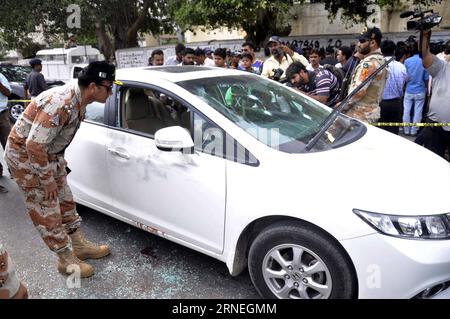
(364, 105)
(10, 286)
(35, 156)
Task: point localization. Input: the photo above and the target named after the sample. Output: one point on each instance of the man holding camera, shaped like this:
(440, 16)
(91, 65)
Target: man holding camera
(437, 138)
(281, 57)
(364, 105)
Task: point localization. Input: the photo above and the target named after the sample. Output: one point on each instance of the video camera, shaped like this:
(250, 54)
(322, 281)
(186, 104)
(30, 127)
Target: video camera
(424, 22)
(277, 74)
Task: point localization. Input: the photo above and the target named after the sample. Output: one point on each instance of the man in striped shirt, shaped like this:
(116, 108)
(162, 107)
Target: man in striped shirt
(322, 86)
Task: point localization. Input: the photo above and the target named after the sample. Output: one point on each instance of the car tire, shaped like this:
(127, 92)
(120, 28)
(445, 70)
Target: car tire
(15, 109)
(320, 268)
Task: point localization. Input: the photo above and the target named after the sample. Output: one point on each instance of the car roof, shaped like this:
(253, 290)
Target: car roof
(172, 73)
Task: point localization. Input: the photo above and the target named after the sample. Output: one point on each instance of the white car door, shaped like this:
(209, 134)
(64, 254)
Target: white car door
(178, 195)
(86, 156)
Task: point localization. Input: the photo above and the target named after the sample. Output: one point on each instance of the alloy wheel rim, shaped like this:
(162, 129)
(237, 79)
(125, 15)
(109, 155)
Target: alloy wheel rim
(295, 272)
(16, 110)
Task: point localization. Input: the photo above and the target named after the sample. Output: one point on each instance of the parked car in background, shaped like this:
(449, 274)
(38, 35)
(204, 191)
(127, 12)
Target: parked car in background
(17, 75)
(216, 160)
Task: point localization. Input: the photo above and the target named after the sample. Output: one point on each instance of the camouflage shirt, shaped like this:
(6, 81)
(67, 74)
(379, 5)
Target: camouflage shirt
(364, 105)
(45, 129)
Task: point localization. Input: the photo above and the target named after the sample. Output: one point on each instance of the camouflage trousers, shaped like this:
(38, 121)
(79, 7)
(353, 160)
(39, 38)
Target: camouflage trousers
(365, 113)
(54, 219)
(9, 283)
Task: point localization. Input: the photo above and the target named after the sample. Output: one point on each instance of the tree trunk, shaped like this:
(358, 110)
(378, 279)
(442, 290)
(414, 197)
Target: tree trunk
(132, 33)
(104, 42)
(267, 24)
(120, 37)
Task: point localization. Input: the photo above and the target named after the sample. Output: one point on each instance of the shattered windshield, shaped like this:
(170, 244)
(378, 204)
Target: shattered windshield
(272, 113)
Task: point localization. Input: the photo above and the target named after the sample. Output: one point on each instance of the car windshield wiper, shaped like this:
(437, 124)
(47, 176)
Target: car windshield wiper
(325, 125)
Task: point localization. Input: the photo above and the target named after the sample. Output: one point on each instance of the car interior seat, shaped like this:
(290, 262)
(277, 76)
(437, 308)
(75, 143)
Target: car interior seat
(162, 112)
(139, 115)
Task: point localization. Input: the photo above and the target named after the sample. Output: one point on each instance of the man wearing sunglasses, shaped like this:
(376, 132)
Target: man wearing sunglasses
(35, 156)
(280, 59)
(365, 104)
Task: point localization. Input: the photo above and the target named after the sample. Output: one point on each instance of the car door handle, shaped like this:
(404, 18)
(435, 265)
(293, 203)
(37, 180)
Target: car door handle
(118, 153)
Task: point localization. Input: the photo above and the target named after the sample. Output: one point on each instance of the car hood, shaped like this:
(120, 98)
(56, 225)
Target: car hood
(381, 172)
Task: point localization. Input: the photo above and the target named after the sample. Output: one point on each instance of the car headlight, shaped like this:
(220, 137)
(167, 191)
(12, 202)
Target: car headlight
(411, 227)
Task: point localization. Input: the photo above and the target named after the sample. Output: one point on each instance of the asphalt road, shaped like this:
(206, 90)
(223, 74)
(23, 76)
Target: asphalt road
(141, 265)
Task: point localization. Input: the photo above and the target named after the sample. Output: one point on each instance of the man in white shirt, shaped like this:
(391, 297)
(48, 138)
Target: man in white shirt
(281, 57)
(444, 55)
(187, 57)
(177, 58)
(201, 59)
(314, 62)
(5, 126)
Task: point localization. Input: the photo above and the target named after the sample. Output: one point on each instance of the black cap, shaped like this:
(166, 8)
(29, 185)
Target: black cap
(371, 34)
(34, 62)
(98, 71)
(274, 38)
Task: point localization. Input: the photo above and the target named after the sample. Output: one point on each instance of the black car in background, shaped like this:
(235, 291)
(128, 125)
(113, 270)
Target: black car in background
(17, 75)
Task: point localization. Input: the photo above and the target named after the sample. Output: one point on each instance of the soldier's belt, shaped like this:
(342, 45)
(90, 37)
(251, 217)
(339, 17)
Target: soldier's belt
(52, 157)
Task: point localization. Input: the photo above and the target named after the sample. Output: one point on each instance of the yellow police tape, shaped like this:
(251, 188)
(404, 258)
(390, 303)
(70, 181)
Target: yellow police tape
(19, 101)
(373, 124)
(411, 124)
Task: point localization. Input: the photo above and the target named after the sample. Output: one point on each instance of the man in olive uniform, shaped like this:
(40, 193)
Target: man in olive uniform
(35, 155)
(364, 105)
(10, 286)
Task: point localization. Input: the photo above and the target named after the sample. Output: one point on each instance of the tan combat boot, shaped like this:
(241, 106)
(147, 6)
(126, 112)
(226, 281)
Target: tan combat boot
(84, 249)
(22, 293)
(68, 261)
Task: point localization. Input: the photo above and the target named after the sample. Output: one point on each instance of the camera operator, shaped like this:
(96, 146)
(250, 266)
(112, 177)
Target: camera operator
(436, 139)
(281, 57)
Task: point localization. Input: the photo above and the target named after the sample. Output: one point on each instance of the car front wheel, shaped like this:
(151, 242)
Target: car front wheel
(297, 261)
(15, 110)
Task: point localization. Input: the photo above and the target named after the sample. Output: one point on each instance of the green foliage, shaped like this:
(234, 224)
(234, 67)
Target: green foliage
(121, 20)
(115, 24)
(258, 18)
(261, 19)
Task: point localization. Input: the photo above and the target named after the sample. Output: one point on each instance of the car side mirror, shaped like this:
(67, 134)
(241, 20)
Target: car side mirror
(174, 138)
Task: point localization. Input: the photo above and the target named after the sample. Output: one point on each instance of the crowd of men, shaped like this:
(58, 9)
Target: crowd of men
(399, 94)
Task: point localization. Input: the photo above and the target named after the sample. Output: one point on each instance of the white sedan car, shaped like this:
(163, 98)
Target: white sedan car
(215, 160)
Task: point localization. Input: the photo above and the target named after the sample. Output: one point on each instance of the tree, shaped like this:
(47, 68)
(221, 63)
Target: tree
(258, 19)
(115, 24)
(261, 19)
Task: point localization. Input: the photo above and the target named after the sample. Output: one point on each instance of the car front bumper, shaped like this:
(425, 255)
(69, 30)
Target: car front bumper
(389, 267)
